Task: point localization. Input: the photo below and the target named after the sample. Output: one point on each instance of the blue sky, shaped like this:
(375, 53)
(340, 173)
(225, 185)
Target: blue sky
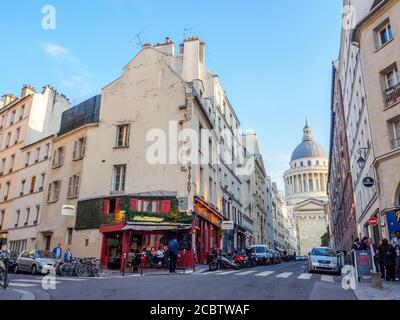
(273, 57)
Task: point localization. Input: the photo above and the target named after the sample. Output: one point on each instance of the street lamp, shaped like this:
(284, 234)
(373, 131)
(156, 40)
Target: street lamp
(363, 152)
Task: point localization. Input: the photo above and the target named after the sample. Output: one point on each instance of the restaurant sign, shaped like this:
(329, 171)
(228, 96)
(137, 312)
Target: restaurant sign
(147, 219)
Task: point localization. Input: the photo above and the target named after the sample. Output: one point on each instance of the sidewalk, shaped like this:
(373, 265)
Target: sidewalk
(10, 294)
(390, 291)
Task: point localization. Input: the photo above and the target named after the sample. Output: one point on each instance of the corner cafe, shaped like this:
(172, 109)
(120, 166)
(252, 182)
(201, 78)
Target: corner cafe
(140, 222)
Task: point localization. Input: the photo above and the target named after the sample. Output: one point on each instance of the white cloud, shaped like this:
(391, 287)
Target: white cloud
(54, 50)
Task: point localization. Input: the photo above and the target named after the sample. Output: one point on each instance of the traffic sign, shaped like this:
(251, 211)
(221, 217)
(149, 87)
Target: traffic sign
(373, 222)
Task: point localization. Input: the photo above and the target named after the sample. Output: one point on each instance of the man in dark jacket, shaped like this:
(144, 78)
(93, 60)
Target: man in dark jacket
(173, 250)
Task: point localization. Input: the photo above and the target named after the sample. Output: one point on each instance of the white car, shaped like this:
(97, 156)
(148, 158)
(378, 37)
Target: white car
(36, 261)
(323, 259)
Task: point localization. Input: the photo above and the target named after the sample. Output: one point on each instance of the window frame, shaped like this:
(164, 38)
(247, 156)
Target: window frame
(123, 135)
(122, 179)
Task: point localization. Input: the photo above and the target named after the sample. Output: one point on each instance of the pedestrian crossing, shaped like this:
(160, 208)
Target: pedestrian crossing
(38, 282)
(271, 274)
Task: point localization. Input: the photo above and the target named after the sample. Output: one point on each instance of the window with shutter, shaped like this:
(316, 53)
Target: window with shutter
(76, 187)
(62, 156)
(70, 187)
(106, 207)
(49, 193)
(58, 188)
(83, 149)
(117, 205)
(75, 154)
(134, 204)
(166, 206)
(54, 158)
(159, 206)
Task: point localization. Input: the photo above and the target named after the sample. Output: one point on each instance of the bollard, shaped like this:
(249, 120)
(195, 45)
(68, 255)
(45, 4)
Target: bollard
(124, 262)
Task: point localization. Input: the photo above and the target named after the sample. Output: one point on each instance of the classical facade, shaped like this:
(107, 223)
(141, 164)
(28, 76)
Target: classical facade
(377, 36)
(342, 216)
(306, 190)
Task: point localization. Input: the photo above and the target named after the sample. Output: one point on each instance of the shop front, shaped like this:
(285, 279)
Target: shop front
(121, 241)
(391, 220)
(208, 223)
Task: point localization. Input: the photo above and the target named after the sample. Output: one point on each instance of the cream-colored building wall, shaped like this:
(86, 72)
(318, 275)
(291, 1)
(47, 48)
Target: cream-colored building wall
(52, 221)
(312, 226)
(375, 62)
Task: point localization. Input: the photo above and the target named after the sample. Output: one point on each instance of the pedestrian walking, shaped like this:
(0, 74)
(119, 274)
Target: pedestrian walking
(58, 251)
(68, 255)
(363, 245)
(173, 250)
(389, 257)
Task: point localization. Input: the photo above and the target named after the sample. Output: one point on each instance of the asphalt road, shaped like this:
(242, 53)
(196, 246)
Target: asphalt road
(287, 281)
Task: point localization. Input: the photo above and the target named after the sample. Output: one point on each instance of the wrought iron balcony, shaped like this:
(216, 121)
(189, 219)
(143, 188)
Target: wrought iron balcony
(392, 95)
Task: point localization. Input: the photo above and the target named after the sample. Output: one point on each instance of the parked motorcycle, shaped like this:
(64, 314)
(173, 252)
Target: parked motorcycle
(220, 261)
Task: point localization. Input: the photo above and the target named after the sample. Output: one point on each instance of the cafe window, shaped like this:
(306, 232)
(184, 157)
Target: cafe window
(160, 206)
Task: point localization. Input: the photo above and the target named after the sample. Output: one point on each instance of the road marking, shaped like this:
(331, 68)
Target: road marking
(26, 295)
(284, 275)
(244, 273)
(305, 276)
(327, 278)
(32, 281)
(22, 285)
(208, 272)
(265, 274)
(226, 273)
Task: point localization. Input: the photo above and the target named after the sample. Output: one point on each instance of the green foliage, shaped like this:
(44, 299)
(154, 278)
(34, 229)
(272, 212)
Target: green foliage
(325, 239)
(90, 213)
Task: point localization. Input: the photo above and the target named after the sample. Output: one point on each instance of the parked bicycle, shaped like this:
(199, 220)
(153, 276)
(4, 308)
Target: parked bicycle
(83, 268)
(4, 265)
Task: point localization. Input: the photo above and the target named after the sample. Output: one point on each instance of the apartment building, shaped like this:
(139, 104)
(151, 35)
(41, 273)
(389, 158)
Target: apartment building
(254, 193)
(377, 36)
(342, 215)
(27, 123)
(74, 140)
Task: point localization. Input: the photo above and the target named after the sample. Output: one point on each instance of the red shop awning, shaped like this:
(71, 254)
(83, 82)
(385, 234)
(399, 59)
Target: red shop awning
(156, 226)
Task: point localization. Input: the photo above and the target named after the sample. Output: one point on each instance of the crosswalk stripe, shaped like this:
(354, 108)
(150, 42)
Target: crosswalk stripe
(244, 273)
(305, 276)
(327, 278)
(208, 273)
(32, 281)
(226, 273)
(22, 285)
(284, 275)
(265, 274)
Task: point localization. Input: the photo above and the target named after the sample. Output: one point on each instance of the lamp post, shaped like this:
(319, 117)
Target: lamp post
(364, 153)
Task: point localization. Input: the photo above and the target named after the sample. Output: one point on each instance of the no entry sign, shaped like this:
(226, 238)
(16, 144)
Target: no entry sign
(373, 222)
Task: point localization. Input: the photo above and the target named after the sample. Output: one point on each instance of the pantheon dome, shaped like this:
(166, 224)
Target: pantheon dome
(308, 173)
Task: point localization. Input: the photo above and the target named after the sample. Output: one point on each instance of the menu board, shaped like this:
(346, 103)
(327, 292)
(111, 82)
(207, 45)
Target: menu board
(363, 263)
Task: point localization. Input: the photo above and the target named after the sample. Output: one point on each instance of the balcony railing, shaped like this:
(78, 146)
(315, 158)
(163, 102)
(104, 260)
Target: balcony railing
(392, 95)
(395, 143)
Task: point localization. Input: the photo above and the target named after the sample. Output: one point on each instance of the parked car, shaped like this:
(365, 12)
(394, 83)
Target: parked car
(323, 259)
(36, 261)
(263, 254)
(302, 258)
(12, 262)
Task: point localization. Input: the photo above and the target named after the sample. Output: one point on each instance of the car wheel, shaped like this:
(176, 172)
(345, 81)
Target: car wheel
(34, 270)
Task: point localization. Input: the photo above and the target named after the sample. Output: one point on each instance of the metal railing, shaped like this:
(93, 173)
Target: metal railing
(392, 95)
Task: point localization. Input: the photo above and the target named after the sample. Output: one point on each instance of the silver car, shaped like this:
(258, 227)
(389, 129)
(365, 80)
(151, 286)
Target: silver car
(323, 259)
(36, 261)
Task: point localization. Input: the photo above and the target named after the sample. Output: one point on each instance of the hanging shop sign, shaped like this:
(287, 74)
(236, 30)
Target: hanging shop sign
(368, 182)
(228, 225)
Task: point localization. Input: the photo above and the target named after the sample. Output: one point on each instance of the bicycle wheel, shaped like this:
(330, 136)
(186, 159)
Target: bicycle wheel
(102, 272)
(83, 270)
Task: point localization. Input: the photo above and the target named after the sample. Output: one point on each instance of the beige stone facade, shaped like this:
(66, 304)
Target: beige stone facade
(378, 39)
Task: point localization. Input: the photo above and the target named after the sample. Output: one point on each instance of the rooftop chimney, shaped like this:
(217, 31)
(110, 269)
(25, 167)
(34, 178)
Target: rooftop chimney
(168, 47)
(8, 98)
(27, 90)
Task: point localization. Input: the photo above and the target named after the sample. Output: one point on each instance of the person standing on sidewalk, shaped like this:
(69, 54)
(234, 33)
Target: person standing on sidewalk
(173, 250)
(372, 249)
(396, 245)
(389, 257)
(381, 261)
(58, 251)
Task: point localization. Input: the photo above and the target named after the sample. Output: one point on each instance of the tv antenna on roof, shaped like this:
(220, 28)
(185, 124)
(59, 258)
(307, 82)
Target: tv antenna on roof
(138, 37)
(184, 32)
